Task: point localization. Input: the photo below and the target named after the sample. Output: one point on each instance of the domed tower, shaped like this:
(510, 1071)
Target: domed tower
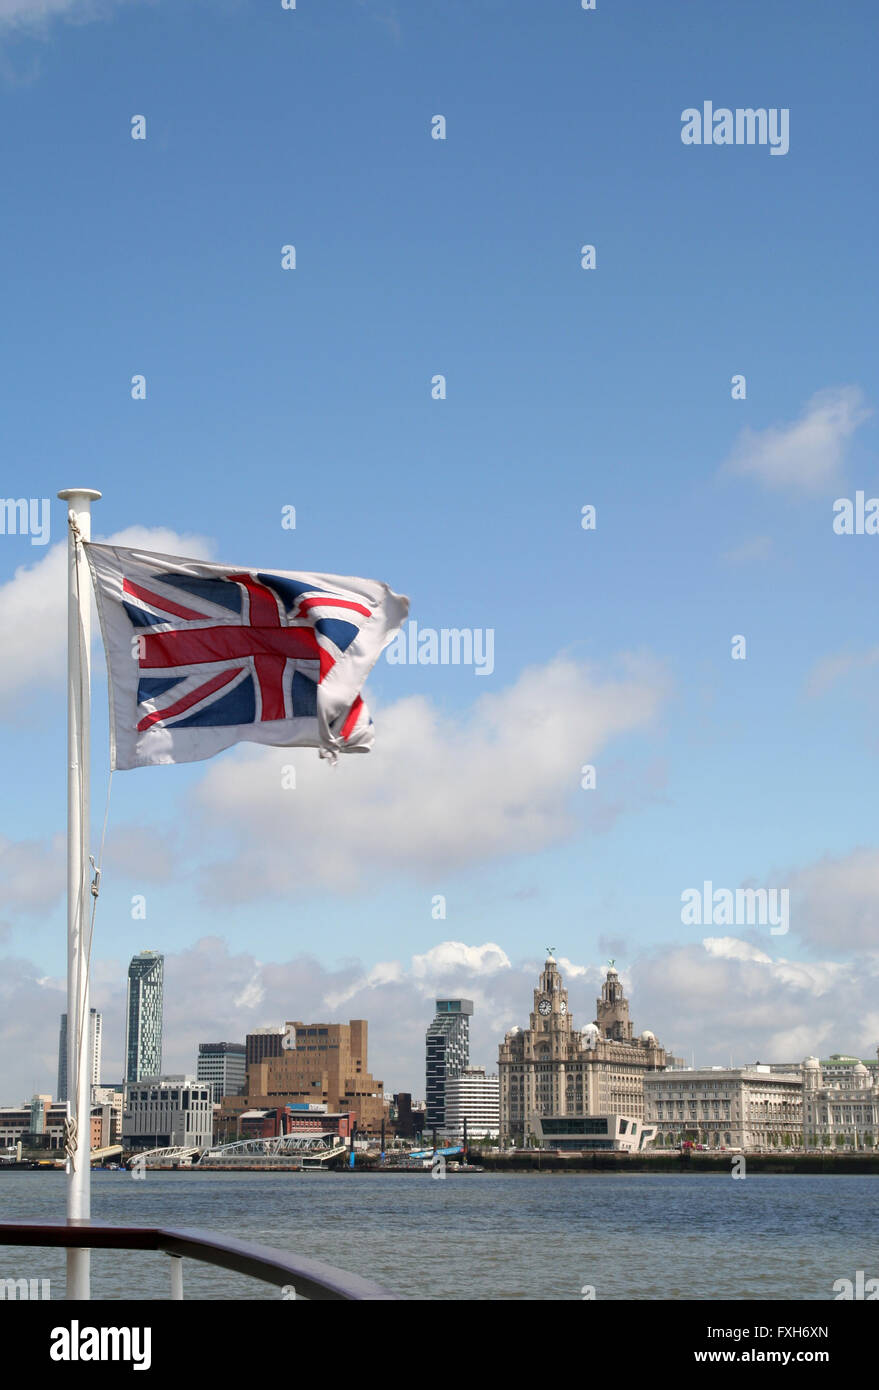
(813, 1124)
(811, 1074)
(612, 1009)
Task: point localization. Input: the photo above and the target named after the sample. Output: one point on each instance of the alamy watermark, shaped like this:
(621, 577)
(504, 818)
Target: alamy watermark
(446, 646)
(77, 1343)
(856, 518)
(25, 1288)
(857, 1288)
(744, 126)
(742, 907)
(26, 516)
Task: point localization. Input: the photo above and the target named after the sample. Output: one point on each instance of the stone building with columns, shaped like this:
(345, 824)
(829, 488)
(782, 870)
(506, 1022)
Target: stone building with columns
(552, 1068)
(840, 1103)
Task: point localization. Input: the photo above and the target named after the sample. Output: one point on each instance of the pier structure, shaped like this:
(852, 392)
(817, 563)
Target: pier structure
(291, 1151)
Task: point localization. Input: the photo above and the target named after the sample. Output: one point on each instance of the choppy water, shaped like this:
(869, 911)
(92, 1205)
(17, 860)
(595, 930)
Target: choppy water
(638, 1236)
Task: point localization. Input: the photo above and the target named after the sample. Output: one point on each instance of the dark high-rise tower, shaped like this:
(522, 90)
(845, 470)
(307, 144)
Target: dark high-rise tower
(448, 1053)
(143, 1016)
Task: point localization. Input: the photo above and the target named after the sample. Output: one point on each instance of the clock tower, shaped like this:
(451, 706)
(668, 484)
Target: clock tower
(550, 1012)
(554, 1072)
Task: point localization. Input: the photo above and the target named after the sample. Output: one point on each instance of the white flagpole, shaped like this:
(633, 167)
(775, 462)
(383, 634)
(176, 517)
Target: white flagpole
(79, 1078)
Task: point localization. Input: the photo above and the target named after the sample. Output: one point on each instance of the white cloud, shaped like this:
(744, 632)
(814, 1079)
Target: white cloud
(793, 1044)
(453, 957)
(836, 901)
(33, 873)
(813, 977)
(730, 948)
(35, 13)
(141, 852)
(253, 993)
(387, 972)
(30, 1015)
(867, 1034)
(33, 614)
(435, 793)
(806, 455)
(831, 669)
(570, 970)
(729, 998)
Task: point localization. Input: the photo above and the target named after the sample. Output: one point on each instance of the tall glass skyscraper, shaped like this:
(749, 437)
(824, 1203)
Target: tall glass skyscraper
(143, 1016)
(448, 1053)
(94, 1053)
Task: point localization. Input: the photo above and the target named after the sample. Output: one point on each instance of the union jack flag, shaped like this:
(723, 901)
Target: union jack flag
(201, 656)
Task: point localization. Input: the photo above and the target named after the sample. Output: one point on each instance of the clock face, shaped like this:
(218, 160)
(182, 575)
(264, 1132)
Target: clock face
(544, 1007)
(563, 1006)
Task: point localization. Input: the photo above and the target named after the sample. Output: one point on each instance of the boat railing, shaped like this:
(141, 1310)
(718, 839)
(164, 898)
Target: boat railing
(297, 1276)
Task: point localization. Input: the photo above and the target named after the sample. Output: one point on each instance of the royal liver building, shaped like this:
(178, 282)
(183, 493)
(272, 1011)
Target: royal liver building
(552, 1068)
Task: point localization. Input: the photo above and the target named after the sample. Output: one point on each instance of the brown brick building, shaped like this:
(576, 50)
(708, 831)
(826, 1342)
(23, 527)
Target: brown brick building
(322, 1062)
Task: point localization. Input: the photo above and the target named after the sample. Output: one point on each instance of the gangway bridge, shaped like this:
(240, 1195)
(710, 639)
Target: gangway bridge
(173, 1155)
(290, 1151)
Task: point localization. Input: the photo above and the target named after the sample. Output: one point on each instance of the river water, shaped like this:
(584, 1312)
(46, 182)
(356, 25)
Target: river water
(482, 1236)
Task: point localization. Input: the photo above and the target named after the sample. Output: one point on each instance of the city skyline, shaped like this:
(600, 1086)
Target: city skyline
(407, 1073)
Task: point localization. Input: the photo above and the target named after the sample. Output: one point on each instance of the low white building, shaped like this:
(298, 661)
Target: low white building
(475, 1097)
(726, 1107)
(579, 1133)
(166, 1111)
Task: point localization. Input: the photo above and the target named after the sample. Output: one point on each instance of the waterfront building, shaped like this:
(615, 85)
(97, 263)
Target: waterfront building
(161, 1111)
(447, 1047)
(840, 1103)
(262, 1043)
(746, 1108)
(112, 1098)
(223, 1064)
(143, 1016)
(577, 1133)
(325, 1063)
(553, 1069)
(473, 1097)
(848, 1071)
(296, 1119)
(94, 1052)
(106, 1125)
(38, 1123)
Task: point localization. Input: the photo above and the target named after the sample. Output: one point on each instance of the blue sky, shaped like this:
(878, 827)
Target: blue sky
(565, 387)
